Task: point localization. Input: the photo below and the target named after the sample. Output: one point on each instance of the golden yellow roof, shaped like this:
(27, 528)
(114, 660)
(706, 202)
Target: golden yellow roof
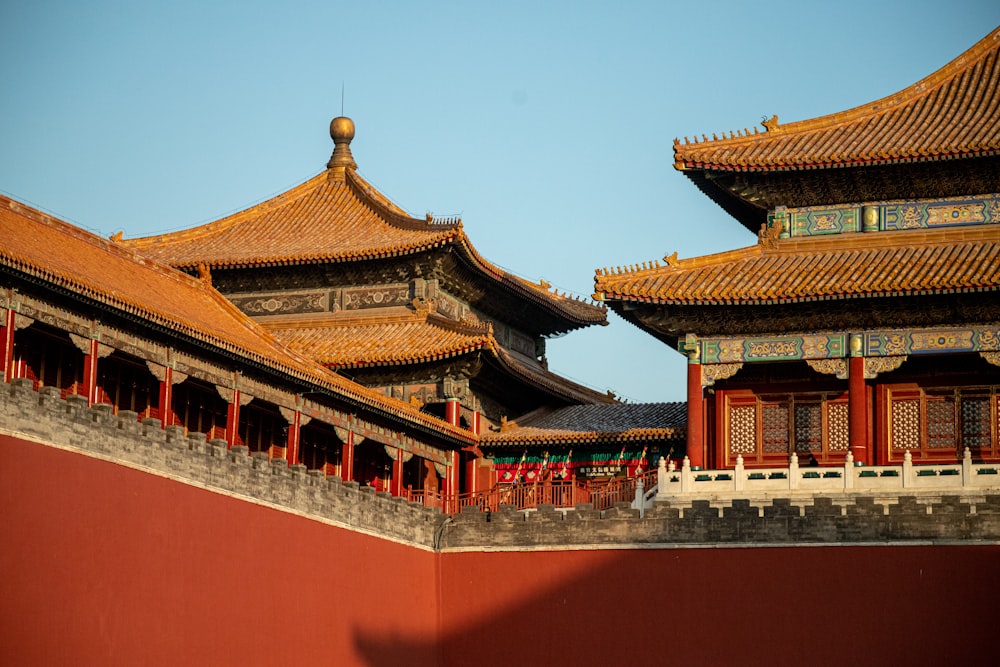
(325, 219)
(383, 341)
(954, 112)
(52, 253)
(414, 338)
(825, 267)
(337, 216)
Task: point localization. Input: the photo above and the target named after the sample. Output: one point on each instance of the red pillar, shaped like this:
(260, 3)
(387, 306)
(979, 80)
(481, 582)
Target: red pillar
(294, 432)
(472, 474)
(451, 483)
(167, 397)
(453, 415)
(7, 343)
(476, 422)
(233, 419)
(396, 485)
(695, 416)
(90, 372)
(453, 411)
(857, 410)
(347, 458)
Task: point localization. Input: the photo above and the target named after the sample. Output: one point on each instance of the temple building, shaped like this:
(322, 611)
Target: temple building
(367, 299)
(865, 322)
(88, 318)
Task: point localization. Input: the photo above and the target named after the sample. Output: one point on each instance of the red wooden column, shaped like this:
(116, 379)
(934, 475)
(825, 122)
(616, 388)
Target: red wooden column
(90, 371)
(396, 483)
(347, 457)
(472, 474)
(453, 411)
(857, 408)
(233, 418)
(166, 398)
(451, 482)
(695, 406)
(294, 434)
(7, 344)
(452, 415)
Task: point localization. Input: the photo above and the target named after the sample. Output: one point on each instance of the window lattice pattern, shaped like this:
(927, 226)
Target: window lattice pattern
(906, 424)
(839, 440)
(941, 423)
(775, 428)
(808, 427)
(976, 422)
(742, 430)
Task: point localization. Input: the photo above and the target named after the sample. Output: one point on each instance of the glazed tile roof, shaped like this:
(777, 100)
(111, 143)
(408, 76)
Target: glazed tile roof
(827, 267)
(594, 424)
(52, 252)
(337, 216)
(325, 219)
(357, 342)
(954, 112)
(406, 339)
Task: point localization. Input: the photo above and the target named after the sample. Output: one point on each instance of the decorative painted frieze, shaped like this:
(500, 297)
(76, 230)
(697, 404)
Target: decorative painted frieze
(360, 298)
(772, 348)
(888, 215)
(833, 346)
(931, 341)
(283, 303)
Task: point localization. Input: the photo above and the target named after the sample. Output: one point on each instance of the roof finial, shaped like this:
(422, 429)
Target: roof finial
(342, 132)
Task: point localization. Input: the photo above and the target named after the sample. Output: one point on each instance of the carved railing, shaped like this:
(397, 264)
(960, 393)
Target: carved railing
(679, 483)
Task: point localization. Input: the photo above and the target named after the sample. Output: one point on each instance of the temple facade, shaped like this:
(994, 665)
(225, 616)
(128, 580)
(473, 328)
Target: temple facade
(864, 325)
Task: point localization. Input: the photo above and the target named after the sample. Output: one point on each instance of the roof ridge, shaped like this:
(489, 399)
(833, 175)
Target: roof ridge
(394, 214)
(284, 198)
(921, 88)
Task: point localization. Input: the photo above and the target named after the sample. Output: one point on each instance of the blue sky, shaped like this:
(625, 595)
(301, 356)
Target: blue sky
(547, 125)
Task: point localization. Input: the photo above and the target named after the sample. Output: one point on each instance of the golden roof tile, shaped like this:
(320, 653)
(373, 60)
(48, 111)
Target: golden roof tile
(954, 112)
(357, 342)
(51, 252)
(337, 216)
(826, 267)
(384, 341)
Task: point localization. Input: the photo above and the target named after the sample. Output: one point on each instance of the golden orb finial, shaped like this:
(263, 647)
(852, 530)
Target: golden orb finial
(341, 129)
(342, 132)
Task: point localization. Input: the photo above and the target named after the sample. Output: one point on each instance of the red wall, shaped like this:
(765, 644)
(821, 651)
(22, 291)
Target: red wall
(103, 565)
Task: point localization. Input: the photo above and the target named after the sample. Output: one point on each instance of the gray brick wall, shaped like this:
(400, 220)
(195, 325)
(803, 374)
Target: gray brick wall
(859, 518)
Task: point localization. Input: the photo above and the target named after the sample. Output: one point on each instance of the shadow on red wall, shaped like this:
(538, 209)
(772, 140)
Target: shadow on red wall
(837, 605)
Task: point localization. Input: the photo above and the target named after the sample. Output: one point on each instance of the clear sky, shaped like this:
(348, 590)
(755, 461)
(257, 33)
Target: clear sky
(547, 125)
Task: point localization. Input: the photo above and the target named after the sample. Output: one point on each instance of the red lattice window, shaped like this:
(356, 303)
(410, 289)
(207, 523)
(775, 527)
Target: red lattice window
(765, 430)
(940, 423)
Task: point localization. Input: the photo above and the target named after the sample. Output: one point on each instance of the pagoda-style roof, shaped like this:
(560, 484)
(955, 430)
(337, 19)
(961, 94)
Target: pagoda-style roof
(338, 217)
(888, 149)
(815, 283)
(416, 338)
(593, 425)
(104, 276)
(838, 266)
(346, 342)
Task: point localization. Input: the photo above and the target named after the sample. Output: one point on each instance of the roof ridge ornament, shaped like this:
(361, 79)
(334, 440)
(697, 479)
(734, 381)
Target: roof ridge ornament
(342, 132)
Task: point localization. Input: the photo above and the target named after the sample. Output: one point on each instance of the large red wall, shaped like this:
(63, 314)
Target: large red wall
(104, 565)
